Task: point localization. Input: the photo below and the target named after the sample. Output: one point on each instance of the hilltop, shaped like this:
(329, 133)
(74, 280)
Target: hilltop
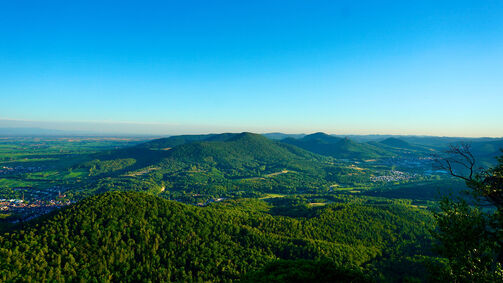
(222, 151)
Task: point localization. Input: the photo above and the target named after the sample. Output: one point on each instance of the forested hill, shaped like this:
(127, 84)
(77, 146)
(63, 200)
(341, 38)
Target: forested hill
(224, 151)
(400, 147)
(241, 148)
(346, 148)
(396, 142)
(218, 164)
(169, 142)
(119, 236)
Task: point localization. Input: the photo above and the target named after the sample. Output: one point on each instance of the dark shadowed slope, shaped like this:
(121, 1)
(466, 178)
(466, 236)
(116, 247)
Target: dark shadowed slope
(401, 147)
(395, 142)
(173, 141)
(337, 147)
(280, 136)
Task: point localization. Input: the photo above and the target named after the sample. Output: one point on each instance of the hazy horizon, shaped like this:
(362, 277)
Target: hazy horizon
(159, 129)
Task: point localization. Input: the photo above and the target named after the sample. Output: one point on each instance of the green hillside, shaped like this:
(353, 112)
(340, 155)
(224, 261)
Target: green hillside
(486, 152)
(170, 142)
(220, 164)
(173, 141)
(396, 142)
(320, 137)
(223, 151)
(400, 147)
(345, 148)
(245, 149)
(140, 237)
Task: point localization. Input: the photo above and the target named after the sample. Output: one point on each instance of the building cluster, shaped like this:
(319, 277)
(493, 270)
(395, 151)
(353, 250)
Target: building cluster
(24, 211)
(5, 170)
(42, 194)
(393, 176)
(6, 204)
(32, 202)
(211, 200)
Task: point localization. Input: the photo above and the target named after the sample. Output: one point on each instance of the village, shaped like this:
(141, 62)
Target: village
(18, 210)
(45, 194)
(37, 203)
(394, 176)
(6, 170)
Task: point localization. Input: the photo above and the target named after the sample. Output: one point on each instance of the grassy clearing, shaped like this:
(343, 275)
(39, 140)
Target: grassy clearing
(267, 196)
(13, 183)
(75, 174)
(339, 189)
(315, 204)
(277, 173)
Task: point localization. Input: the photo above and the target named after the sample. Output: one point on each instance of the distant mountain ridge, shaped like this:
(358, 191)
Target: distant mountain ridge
(281, 136)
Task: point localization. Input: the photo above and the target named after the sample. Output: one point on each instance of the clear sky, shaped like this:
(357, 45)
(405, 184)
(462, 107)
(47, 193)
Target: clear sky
(168, 67)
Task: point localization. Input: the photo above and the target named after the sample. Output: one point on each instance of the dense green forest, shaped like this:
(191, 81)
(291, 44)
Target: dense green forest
(135, 236)
(324, 144)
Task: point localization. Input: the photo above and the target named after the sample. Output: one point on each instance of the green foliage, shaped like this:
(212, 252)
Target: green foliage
(470, 238)
(306, 271)
(126, 236)
(97, 167)
(337, 147)
(426, 190)
(464, 240)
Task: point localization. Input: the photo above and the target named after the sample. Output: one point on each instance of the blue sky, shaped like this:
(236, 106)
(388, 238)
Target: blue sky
(169, 67)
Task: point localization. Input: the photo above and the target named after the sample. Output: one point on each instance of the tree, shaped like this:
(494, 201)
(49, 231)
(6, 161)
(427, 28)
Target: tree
(307, 271)
(470, 235)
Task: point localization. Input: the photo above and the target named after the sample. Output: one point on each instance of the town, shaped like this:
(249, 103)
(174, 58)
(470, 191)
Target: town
(18, 210)
(394, 176)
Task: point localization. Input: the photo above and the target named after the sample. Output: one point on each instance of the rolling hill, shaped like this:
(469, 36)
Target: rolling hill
(485, 152)
(345, 148)
(400, 147)
(215, 164)
(281, 136)
(395, 142)
(173, 141)
(223, 151)
(245, 149)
